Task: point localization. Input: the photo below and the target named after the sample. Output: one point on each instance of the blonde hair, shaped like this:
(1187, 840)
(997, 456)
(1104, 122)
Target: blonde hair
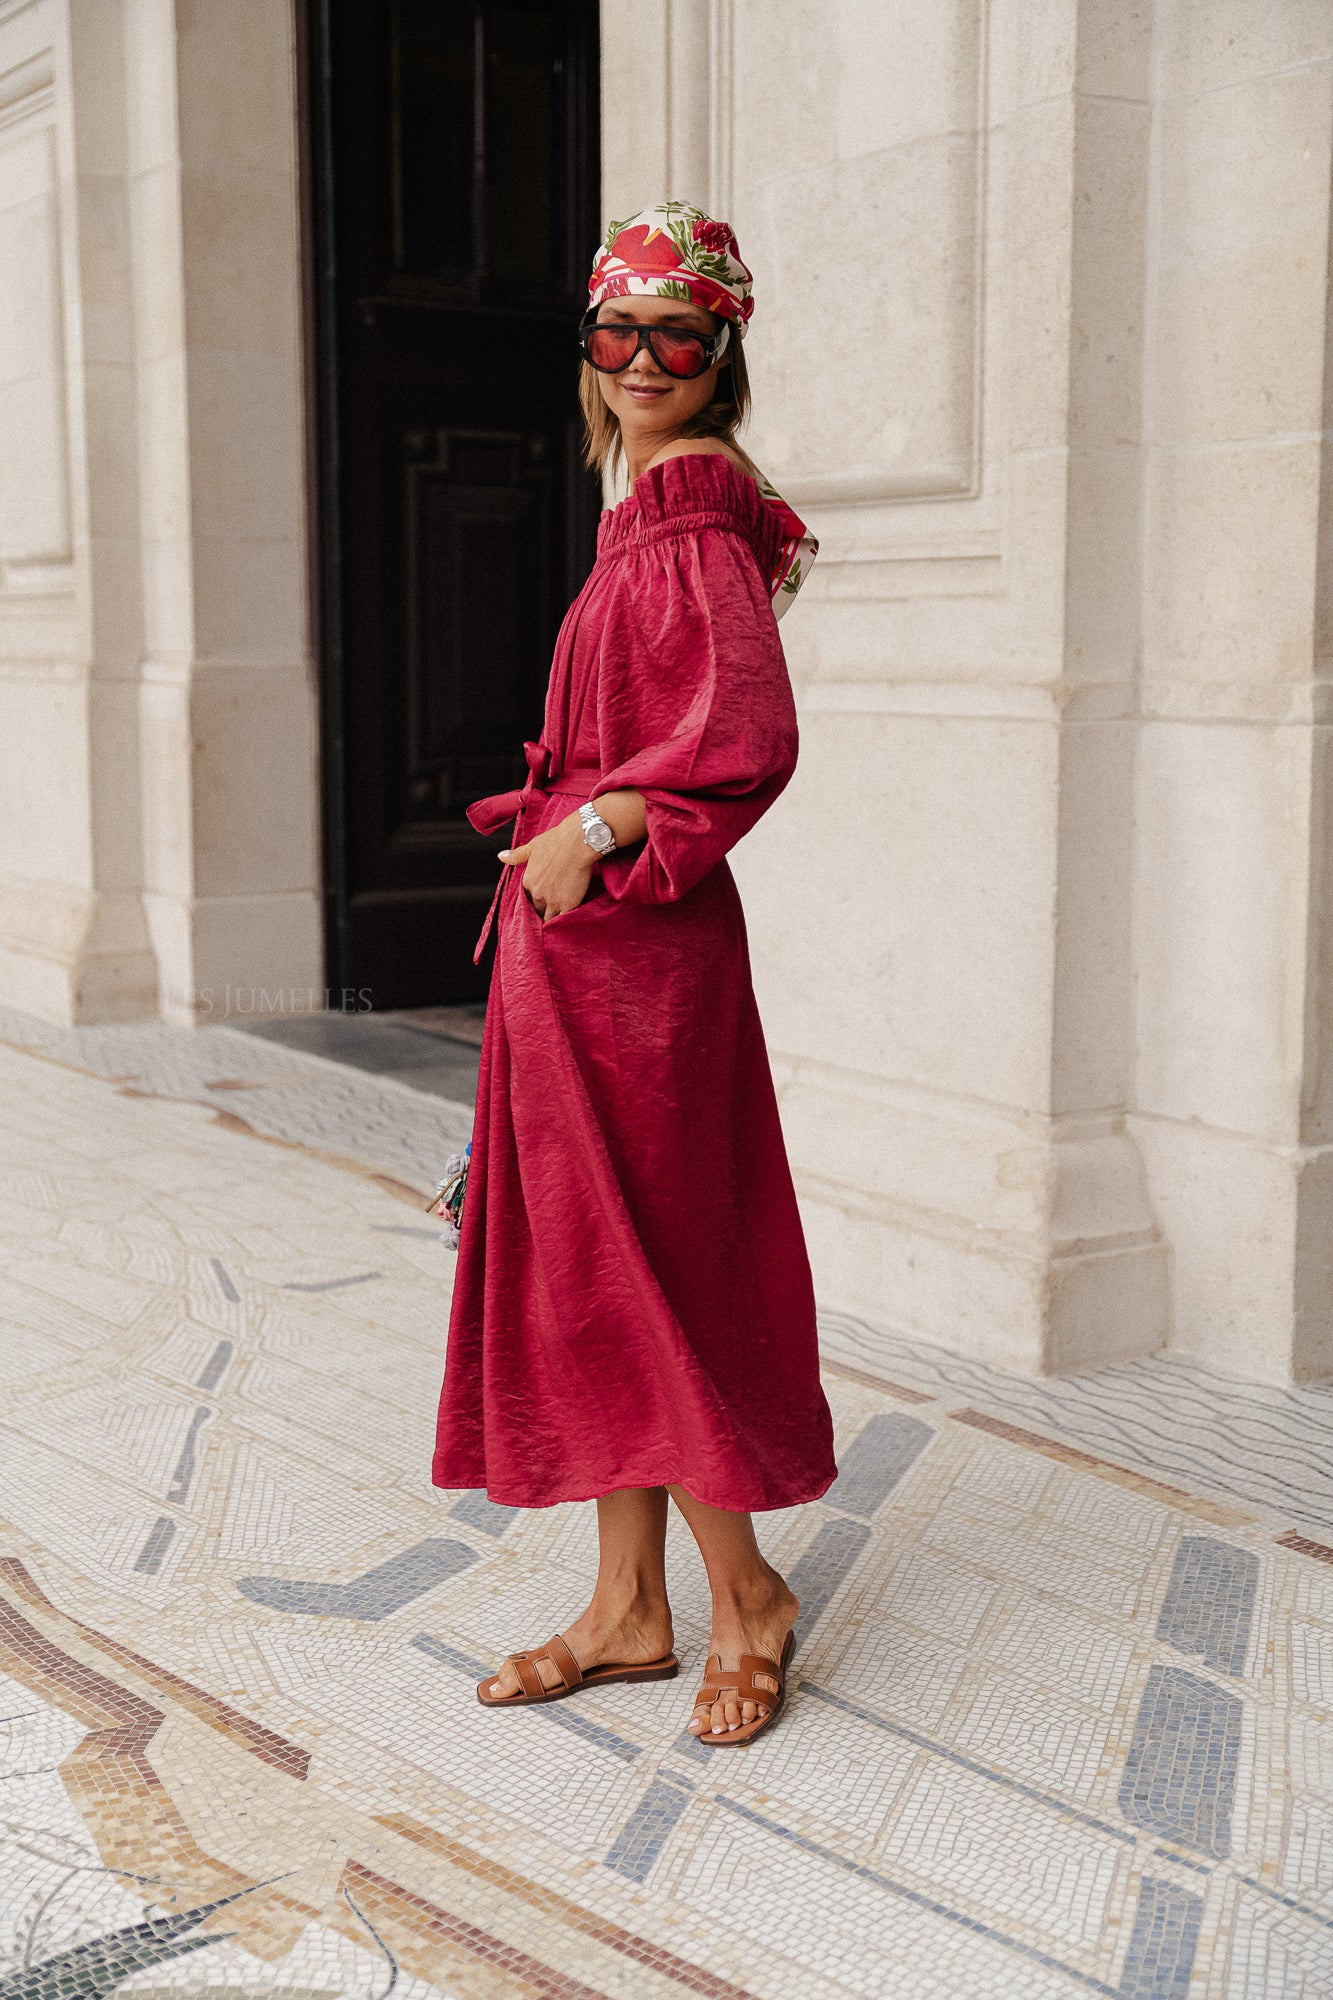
(722, 418)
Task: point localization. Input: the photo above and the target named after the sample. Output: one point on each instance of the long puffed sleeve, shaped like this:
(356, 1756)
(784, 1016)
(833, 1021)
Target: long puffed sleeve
(694, 704)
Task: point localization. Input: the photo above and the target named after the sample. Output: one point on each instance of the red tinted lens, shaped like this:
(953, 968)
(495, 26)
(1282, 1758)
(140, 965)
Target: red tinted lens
(612, 346)
(679, 353)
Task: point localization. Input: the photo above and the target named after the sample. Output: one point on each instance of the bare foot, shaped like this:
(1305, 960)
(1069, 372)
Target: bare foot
(760, 1625)
(613, 1635)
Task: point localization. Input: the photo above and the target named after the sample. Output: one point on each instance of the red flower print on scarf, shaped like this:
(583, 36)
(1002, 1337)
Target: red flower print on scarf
(645, 249)
(715, 235)
(705, 292)
(614, 288)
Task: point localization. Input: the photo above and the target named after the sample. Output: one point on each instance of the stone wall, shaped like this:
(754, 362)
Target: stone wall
(1041, 312)
(1042, 929)
(1233, 911)
(158, 821)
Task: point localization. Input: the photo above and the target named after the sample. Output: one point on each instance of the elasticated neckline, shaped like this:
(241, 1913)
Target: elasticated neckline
(699, 489)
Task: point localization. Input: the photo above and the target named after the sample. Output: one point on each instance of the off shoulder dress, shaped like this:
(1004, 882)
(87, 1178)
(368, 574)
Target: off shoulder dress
(633, 1304)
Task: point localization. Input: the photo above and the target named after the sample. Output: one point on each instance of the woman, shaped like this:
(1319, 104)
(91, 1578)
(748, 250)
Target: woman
(633, 1315)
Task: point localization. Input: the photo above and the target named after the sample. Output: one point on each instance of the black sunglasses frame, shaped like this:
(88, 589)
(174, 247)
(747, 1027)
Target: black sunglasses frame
(713, 345)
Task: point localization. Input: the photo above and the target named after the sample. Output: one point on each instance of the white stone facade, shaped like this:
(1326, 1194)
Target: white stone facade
(158, 798)
(1043, 929)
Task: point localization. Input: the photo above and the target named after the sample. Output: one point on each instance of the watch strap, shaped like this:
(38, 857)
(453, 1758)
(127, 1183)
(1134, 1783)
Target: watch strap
(590, 817)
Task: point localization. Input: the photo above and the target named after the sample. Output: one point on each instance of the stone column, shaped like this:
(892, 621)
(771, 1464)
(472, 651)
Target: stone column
(1233, 915)
(74, 941)
(158, 796)
(944, 207)
(230, 799)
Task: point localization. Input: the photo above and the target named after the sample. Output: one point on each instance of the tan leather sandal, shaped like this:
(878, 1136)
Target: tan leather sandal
(756, 1679)
(556, 1653)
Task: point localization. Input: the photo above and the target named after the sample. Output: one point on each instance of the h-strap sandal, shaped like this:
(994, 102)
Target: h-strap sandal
(556, 1653)
(757, 1680)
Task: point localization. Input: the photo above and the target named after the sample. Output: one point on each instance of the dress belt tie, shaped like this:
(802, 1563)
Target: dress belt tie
(490, 814)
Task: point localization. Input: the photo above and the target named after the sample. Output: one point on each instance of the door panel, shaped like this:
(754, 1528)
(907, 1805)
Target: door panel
(454, 156)
(478, 595)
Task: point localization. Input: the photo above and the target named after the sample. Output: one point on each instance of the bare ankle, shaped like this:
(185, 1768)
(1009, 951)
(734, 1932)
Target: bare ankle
(629, 1601)
(613, 1612)
(760, 1595)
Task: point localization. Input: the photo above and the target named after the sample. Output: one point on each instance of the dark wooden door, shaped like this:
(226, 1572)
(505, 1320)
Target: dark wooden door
(453, 209)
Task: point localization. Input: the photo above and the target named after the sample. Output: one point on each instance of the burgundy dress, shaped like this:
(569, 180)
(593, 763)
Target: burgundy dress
(633, 1304)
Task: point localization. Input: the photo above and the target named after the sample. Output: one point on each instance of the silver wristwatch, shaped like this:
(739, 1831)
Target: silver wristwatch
(596, 831)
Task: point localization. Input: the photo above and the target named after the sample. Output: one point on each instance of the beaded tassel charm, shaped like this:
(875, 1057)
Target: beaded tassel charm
(447, 1201)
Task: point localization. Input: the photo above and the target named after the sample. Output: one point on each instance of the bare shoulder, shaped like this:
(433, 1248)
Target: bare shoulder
(694, 448)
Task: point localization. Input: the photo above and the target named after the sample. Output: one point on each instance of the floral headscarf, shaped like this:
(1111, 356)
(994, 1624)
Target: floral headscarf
(675, 251)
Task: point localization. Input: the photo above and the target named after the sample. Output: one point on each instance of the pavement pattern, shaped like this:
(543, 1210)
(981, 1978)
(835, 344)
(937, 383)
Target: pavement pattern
(1061, 1714)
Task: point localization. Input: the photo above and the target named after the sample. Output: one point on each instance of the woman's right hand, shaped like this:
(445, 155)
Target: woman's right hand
(557, 867)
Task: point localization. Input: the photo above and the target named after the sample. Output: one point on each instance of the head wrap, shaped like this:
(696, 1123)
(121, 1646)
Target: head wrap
(675, 251)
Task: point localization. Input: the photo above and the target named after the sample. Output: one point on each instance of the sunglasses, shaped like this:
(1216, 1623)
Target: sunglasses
(677, 351)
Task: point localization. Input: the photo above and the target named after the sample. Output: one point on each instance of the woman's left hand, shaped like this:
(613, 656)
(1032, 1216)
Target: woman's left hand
(557, 867)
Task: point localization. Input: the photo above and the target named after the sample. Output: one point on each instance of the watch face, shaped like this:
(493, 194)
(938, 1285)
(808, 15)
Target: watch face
(600, 836)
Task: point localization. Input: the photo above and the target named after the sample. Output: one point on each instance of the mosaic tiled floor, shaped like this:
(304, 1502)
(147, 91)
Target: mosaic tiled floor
(1061, 1720)
(337, 1083)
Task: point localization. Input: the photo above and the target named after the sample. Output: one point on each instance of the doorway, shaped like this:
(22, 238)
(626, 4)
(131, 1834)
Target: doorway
(452, 159)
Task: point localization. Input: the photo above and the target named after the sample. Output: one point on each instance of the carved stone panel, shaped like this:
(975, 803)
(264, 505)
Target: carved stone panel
(34, 471)
(857, 154)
